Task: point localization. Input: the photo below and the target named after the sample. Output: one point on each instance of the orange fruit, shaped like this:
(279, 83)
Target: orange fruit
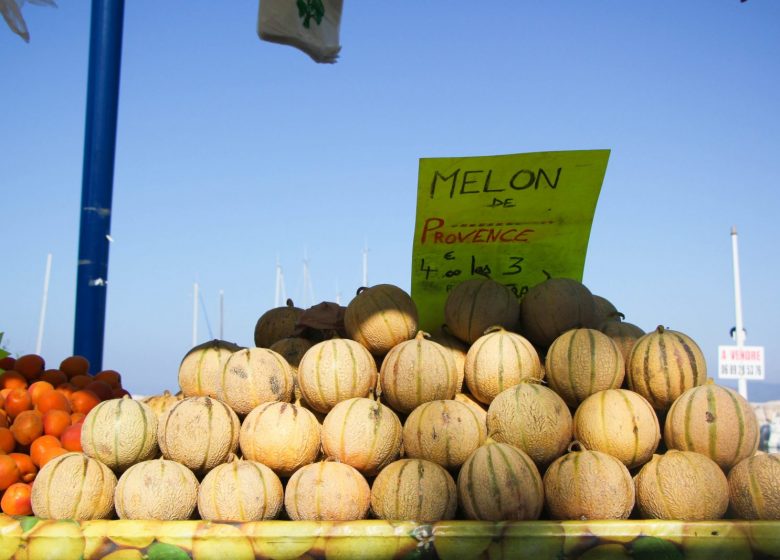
(18, 400)
(12, 380)
(9, 472)
(30, 365)
(77, 417)
(16, 499)
(75, 365)
(83, 401)
(27, 468)
(27, 427)
(38, 388)
(50, 453)
(7, 440)
(53, 400)
(66, 389)
(55, 421)
(71, 437)
(39, 447)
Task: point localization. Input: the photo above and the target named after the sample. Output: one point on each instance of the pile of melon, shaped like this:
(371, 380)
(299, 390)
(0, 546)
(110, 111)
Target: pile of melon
(552, 407)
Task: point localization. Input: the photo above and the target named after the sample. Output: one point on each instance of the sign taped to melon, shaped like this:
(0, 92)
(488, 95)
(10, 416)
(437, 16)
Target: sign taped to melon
(518, 219)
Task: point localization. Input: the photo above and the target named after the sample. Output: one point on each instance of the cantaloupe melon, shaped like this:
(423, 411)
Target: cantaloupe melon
(254, 376)
(157, 489)
(362, 433)
(120, 433)
(619, 422)
(335, 370)
(276, 324)
(73, 486)
(199, 432)
(240, 491)
(681, 485)
(327, 491)
(625, 336)
(553, 307)
(499, 482)
(498, 360)
(445, 432)
(581, 362)
(476, 304)
(585, 484)
(283, 436)
(754, 487)
(417, 371)
(663, 364)
(201, 367)
(414, 490)
(715, 421)
(534, 419)
(381, 316)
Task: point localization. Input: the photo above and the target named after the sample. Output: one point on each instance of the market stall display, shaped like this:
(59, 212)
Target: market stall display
(383, 456)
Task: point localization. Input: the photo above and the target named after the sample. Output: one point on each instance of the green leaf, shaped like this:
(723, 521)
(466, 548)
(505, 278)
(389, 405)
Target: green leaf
(3, 351)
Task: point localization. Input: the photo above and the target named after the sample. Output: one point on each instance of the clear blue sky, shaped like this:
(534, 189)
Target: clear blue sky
(232, 152)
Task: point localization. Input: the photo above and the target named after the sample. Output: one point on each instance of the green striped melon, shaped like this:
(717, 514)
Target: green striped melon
(499, 482)
(754, 487)
(380, 317)
(276, 324)
(201, 368)
(335, 370)
(456, 347)
(715, 421)
(240, 491)
(581, 362)
(605, 310)
(120, 433)
(533, 418)
(476, 304)
(445, 432)
(499, 360)
(362, 433)
(199, 432)
(282, 436)
(586, 484)
(553, 307)
(663, 365)
(254, 376)
(480, 409)
(327, 491)
(417, 371)
(434, 496)
(292, 349)
(619, 422)
(681, 485)
(156, 489)
(73, 486)
(625, 336)
(162, 402)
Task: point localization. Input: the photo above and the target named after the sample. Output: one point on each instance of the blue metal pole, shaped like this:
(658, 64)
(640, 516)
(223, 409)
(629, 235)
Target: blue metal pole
(105, 54)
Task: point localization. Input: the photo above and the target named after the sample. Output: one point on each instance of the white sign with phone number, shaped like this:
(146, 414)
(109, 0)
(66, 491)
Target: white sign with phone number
(741, 362)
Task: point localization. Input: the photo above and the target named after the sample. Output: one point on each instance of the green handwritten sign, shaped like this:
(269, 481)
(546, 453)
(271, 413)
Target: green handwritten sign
(518, 219)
